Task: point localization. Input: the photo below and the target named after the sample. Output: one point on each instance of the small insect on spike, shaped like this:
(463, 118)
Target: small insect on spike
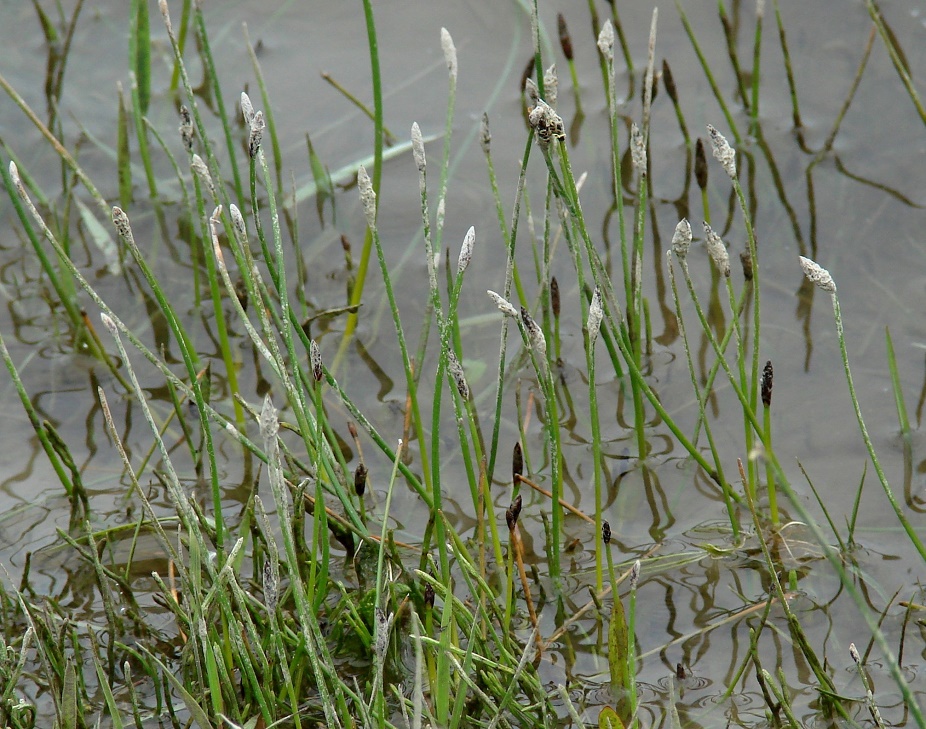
(637, 149)
(634, 575)
(700, 165)
(818, 275)
(717, 250)
(606, 41)
(247, 108)
(450, 52)
(606, 531)
(256, 134)
(565, 40)
(768, 374)
(595, 315)
(485, 136)
(367, 196)
(534, 332)
(513, 512)
(723, 151)
(681, 239)
(315, 357)
(503, 304)
(517, 464)
(466, 250)
(360, 479)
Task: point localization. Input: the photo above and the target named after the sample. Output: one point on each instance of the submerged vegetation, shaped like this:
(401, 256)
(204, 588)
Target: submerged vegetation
(463, 558)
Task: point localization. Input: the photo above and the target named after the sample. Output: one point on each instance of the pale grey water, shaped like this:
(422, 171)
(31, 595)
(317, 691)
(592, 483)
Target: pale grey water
(870, 238)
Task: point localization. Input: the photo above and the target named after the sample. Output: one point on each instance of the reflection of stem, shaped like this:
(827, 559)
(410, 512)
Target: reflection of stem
(908, 528)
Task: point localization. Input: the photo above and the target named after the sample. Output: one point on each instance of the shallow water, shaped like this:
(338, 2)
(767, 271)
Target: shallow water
(862, 219)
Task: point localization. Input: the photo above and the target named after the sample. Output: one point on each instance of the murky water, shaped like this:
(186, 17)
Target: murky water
(859, 212)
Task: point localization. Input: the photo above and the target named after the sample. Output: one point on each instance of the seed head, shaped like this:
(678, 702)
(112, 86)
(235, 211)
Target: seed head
(513, 512)
(595, 315)
(268, 423)
(818, 275)
(517, 464)
(241, 230)
(681, 239)
(551, 85)
(418, 149)
(315, 359)
(700, 165)
(247, 108)
(768, 375)
(669, 81)
(186, 128)
(485, 136)
(853, 651)
(256, 134)
(360, 479)
(547, 123)
(271, 594)
(201, 170)
(717, 250)
(637, 149)
(634, 575)
(606, 41)
(534, 333)
(605, 531)
(723, 151)
(367, 196)
(108, 323)
(503, 304)
(450, 53)
(466, 251)
(565, 40)
(456, 372)
(123, 227)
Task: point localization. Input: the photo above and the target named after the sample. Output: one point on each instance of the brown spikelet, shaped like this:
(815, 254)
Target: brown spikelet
(554, 297)
(565, 40)
(517, 464)
(700, 165)
(669, 82)
(768, 375)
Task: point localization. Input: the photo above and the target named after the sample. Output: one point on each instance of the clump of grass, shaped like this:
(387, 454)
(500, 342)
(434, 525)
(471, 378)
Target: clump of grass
(258, 625)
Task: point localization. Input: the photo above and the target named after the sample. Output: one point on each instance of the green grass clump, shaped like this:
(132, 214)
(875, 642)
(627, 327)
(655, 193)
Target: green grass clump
(313, 601)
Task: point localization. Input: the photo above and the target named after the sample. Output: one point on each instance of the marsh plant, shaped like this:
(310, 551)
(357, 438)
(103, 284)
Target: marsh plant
(439, 568)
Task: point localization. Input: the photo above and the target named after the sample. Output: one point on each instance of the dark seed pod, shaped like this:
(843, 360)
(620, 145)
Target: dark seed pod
(517, 464)
(768, 375)
(565, 41)
(513, 512)
(746, 261)
(700, 165)
(360, 479)
(528, 72)
(669, 82)
(606, 531)
(429, 595)
(680, 672)
(554, 297)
